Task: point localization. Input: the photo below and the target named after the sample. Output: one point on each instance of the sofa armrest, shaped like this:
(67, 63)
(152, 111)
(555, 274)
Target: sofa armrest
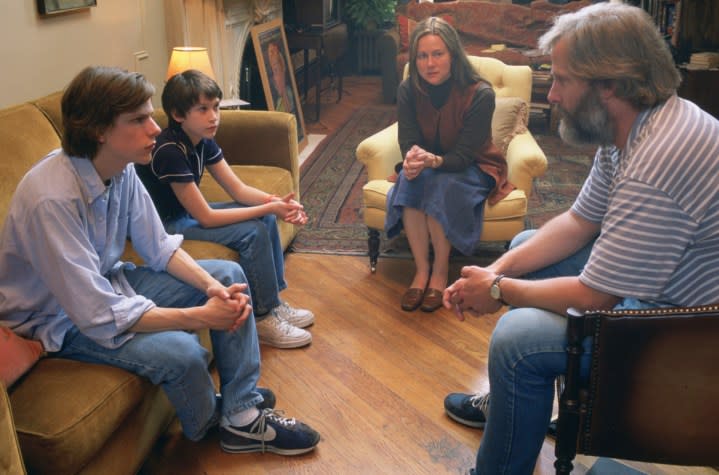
(250, 137)
(380, 152)
(387, 49)
(526, 161)
(10, 455)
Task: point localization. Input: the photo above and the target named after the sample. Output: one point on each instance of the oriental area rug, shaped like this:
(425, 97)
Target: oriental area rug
(331, 181)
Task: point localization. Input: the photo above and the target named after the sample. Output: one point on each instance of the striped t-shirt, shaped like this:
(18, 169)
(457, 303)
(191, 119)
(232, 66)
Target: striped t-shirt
(657, 202)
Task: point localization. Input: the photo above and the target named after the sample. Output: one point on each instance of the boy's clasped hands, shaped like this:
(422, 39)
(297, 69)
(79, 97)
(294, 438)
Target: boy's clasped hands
(288, 209)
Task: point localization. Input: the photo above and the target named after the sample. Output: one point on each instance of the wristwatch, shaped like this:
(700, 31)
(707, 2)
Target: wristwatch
(495, 292)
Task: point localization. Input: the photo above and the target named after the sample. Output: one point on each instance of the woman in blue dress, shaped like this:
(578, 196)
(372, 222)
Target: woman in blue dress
(450, 165)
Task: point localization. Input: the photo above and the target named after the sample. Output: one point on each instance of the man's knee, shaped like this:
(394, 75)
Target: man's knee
(523, 330)
(521, 237)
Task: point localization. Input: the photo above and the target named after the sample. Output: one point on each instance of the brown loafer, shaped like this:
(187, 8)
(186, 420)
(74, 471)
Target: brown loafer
(432, 300)
(412, 299)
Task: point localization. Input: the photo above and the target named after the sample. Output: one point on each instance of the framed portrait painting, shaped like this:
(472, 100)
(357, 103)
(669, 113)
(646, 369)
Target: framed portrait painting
(277, 73)
(52, 7)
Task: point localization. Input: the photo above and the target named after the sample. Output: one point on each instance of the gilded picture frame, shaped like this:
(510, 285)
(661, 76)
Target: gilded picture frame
(278, 79)
(53, 7)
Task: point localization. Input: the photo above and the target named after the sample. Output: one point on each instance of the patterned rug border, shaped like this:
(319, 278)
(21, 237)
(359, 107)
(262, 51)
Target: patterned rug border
(331, 176)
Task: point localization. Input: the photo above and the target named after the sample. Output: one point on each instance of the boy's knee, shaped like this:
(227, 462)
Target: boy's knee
(180, 352)
(226, 272)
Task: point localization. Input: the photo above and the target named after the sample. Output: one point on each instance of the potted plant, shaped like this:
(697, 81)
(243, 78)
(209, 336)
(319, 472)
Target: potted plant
(370, 15)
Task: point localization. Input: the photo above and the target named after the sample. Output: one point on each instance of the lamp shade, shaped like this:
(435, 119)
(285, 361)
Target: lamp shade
(189, 57)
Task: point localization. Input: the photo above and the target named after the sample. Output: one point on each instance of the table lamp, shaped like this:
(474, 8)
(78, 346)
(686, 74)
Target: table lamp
(189, 57)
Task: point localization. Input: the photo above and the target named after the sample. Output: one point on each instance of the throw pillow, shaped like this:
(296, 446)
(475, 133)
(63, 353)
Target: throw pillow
(17, 355)
(405, 26)
(511, 115)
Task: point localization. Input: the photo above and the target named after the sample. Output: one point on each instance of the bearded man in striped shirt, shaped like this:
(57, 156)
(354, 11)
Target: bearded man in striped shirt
(643, 232)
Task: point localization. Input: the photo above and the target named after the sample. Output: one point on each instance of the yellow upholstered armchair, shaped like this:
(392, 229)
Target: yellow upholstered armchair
(513, 88)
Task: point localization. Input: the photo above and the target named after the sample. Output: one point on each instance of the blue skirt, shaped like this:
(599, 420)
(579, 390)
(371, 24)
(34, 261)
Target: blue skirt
(454, 199)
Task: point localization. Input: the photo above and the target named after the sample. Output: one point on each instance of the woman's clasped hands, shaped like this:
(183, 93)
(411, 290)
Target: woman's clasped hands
(416, 160)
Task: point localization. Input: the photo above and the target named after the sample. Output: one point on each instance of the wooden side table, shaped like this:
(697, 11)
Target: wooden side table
(330, 46)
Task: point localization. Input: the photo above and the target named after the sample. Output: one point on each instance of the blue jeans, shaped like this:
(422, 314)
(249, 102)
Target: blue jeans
(526, 354)
(257, 241)
(176, 361)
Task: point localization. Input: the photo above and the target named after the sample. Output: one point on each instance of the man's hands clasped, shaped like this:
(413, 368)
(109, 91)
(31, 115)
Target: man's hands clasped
(471, 293)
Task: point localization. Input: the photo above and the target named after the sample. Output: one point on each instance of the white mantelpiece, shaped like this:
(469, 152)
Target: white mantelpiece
(223, 27)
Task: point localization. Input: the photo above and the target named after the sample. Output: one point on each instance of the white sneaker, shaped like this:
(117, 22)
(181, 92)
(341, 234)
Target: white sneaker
(297, 317)
(276, 331)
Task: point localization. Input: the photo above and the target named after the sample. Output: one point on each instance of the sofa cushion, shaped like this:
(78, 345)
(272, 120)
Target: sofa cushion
(60, 434)
(17, 355)
(511, 115)
(27, 136)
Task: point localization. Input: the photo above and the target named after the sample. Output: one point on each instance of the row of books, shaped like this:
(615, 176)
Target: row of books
(704, 60)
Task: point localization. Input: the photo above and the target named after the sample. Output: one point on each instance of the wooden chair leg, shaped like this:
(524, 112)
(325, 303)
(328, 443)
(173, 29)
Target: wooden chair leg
(373, 245)
(569, 405)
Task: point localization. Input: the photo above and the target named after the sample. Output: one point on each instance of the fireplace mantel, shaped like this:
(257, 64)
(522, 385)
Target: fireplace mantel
(223, 27)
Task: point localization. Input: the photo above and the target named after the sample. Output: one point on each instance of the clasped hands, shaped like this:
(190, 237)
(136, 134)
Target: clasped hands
(227, 307)
(290, 210)
(416, 160)
(471, 293)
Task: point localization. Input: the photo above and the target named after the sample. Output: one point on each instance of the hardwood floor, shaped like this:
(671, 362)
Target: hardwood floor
(374, 378)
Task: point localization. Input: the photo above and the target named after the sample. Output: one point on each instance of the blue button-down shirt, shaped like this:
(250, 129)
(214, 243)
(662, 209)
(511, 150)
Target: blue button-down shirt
(60, 252)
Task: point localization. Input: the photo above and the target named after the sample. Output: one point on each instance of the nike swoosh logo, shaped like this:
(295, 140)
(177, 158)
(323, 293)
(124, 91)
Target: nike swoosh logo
(269, 435)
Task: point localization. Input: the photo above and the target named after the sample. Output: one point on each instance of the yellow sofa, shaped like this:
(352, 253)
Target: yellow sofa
(526, 161)
(67, 417)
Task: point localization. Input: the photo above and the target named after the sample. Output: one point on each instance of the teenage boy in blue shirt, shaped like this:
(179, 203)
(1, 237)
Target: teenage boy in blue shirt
(62, 281)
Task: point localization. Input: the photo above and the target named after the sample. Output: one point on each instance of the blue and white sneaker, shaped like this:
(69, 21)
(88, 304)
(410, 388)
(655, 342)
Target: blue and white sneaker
(270, 432)
(468, 409)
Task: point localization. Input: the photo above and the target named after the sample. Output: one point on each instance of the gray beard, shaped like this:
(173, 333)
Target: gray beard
(589, 124)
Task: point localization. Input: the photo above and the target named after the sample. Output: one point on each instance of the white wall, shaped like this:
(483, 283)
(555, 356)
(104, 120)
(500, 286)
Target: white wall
(40, 55)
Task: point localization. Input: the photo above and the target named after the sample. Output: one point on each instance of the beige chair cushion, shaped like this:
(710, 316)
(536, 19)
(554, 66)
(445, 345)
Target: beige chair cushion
(511, 115)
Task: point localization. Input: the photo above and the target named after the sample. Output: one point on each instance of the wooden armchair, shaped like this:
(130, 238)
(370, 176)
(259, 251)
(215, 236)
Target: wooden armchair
(652, 391)
(513, 88)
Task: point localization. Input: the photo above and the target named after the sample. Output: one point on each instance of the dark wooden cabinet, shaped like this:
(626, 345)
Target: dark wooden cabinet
(699, 86)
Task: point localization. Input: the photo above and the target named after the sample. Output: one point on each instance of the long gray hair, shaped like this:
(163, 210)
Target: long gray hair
(620, 45)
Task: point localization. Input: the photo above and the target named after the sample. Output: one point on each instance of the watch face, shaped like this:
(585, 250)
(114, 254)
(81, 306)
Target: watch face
(495, 292)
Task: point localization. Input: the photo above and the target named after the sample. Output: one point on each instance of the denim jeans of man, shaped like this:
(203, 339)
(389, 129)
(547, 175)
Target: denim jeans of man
(176, 361)
(257, 241)
(527, 352)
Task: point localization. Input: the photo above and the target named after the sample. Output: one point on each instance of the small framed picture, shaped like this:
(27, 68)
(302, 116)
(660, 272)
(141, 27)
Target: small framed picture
(277, 73)
(51, 7)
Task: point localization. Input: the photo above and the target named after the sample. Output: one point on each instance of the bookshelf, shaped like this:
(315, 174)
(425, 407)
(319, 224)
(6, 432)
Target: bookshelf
(690, 26)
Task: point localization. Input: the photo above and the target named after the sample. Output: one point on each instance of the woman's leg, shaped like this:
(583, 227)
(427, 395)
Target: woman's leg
(442, 248)
(415, 226)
